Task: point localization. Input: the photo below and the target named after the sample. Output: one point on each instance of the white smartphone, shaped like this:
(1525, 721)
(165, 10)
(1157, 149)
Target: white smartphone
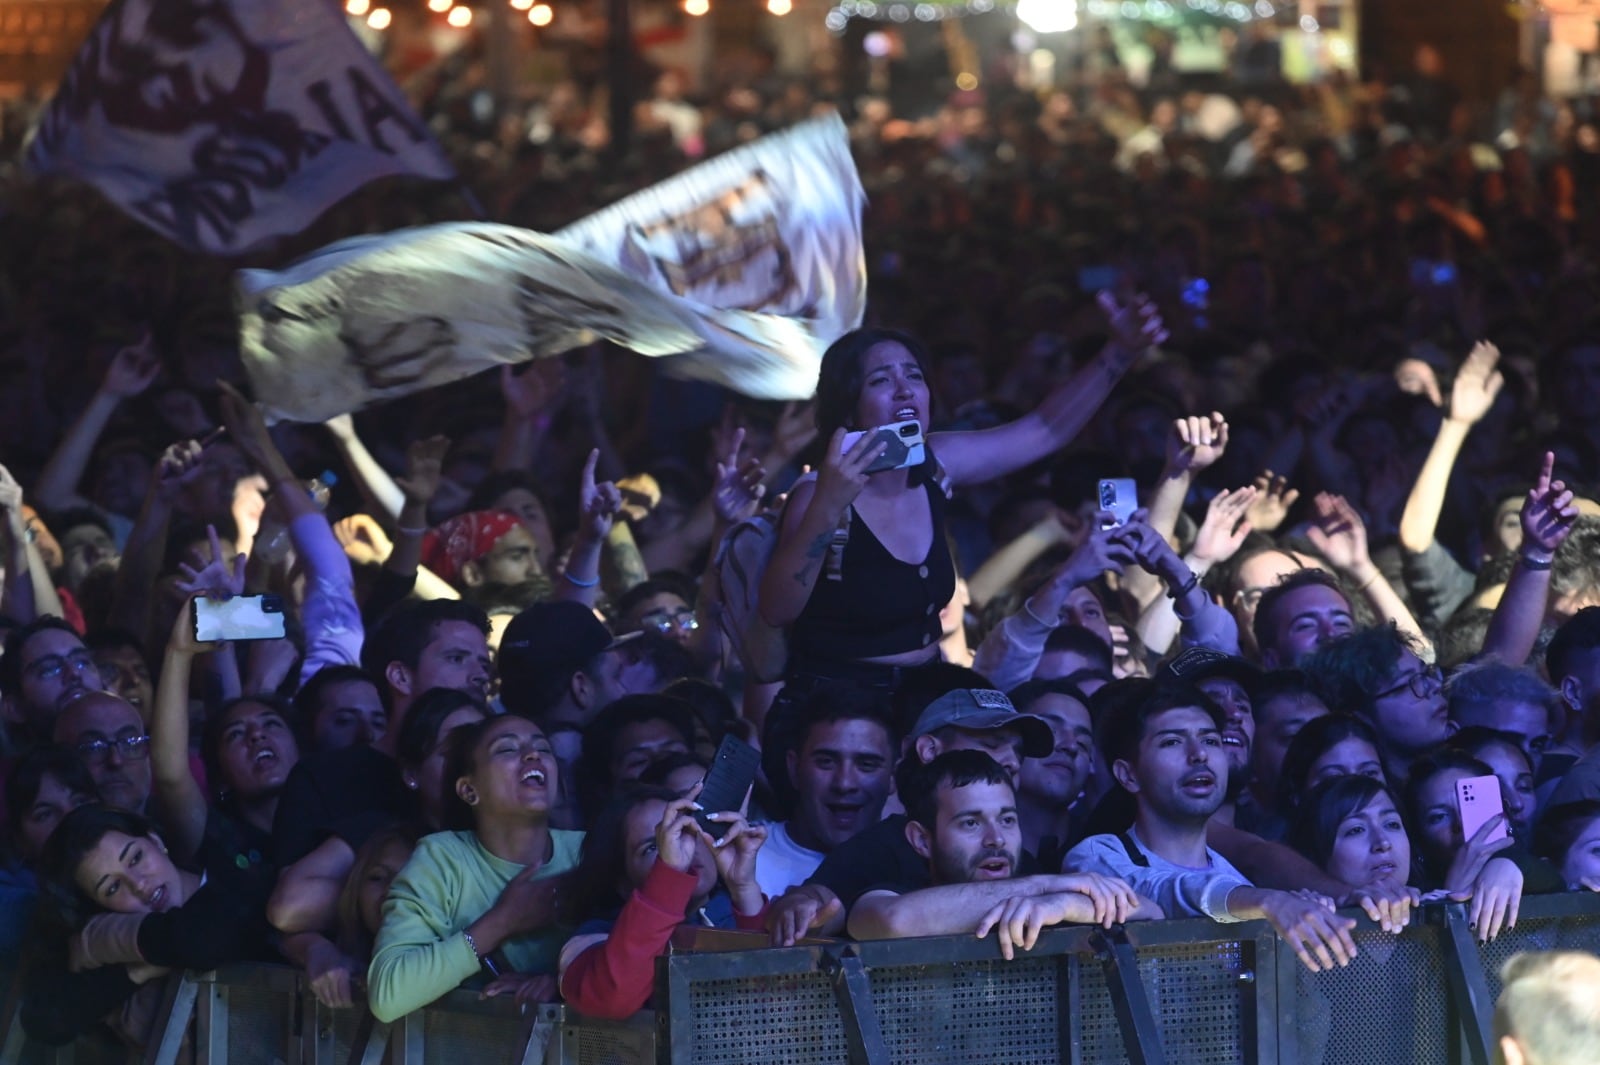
(905, 445)
(1479, 800)
(244, 617)
(1120, 497)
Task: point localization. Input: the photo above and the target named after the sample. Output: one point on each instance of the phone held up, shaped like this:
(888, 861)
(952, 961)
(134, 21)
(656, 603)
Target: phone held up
(1119, 497)
(732, 772)
(905, 446)
(244, 617)
(1478, 799)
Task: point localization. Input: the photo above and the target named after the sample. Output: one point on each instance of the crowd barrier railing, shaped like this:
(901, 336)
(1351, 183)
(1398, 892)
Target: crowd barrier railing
(1149, 993)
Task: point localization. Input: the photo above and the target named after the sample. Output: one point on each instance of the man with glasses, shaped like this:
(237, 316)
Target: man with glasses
(109, 736)
(45, 668)
(1375, 674)
(658, 605)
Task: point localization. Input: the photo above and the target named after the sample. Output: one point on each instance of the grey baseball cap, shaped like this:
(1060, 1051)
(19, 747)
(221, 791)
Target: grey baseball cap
(984, 708)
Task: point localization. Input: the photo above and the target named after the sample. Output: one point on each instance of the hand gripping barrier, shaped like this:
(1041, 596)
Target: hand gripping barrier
(1178, 992)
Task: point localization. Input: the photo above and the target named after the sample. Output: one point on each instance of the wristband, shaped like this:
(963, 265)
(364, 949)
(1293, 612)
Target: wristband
(1188, 586)
(1027, 605)
(590, 583)
(1528, 562)
(482, 959)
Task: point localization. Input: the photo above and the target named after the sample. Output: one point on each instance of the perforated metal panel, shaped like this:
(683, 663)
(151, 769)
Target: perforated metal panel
(1538, 934)
(449, 1037)
(1388, 1005)
(1195, 994)
(600, 1043)
(778, 1018)
(258, 1025)
(1000, 1012)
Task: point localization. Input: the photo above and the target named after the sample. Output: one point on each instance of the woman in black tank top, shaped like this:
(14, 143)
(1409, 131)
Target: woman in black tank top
(861, 568)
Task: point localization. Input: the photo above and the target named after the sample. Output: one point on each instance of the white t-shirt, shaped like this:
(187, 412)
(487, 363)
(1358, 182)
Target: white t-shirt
(781, 863)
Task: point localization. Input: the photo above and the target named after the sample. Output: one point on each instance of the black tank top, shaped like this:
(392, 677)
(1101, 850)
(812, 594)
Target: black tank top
(874, 605)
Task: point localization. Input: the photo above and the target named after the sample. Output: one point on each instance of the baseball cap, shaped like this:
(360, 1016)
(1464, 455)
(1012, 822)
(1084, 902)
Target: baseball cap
(984, 708)
(546, 643)
(1202, 663)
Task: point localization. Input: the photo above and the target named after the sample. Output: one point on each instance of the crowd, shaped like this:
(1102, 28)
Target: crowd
(1339, 338)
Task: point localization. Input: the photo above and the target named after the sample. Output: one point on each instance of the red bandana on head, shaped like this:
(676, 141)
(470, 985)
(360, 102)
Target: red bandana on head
(464, 538)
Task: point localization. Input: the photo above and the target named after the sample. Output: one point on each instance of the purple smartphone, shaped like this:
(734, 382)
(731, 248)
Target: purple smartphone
(1478, 799)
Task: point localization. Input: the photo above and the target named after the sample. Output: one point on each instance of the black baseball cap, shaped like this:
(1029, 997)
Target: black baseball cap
(546, 643)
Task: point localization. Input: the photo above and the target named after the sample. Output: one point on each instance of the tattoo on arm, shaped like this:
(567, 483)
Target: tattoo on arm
(814, 555)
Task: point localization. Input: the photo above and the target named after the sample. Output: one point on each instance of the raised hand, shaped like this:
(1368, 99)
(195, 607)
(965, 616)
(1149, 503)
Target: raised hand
(678, 835)
(132, 370)
(1225, 527)
(534, 390)
(1274, 497)
(1416, 377)
(794, 430)
(179, 466)
(424, 469)
(1549, 512)
(735, 852)
(1135, 327)
(216, 579)
(1476, 384)
(598, 504)
(1339, 533)
(844, 473)
(10, 493)
(1195, 442)
(363, 539)
(247, 428)
(739, 489)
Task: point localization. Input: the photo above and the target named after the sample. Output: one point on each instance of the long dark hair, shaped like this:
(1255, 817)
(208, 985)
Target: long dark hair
(28, 776)
(1314, 740)
(78, 834)
(602, 867)
(1315, 826)
(840, 379)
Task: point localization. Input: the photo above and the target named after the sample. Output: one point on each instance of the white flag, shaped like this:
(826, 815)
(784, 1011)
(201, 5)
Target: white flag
(742, 270)
(224, 123)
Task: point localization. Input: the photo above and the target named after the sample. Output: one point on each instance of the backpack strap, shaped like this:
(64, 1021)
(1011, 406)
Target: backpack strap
(1135, 855)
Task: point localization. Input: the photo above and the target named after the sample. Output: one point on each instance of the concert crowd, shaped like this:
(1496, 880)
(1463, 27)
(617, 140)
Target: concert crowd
(1250, 568)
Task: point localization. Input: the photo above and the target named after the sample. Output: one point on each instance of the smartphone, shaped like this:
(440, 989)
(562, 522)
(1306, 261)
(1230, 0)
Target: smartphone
(244, 617)
(732, 773)
(1478, 799)
(1120, 496)
(905, 446)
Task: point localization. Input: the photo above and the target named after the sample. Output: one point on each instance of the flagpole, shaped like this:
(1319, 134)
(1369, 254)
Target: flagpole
(620, 61)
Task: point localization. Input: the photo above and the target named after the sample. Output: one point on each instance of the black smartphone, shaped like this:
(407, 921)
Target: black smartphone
(732, 773)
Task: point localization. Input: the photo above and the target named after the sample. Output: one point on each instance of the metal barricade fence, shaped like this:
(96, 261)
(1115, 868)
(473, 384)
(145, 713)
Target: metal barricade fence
(1185, 992)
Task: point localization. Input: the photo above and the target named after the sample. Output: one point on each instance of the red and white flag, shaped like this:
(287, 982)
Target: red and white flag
(222, 124)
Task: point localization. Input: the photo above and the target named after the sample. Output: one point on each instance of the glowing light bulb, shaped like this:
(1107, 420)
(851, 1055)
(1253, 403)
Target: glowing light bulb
(380, 18)
(541, 15)
(459, 17)
(780, 7)
(696, 8)
(522, 5)
(358, 7)
(440, 6)
(1047, 16)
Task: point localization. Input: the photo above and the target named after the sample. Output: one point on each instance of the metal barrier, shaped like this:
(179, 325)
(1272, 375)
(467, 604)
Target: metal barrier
(1185, 992)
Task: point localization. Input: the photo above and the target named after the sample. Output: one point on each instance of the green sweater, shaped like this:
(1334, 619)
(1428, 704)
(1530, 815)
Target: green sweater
(449, 883)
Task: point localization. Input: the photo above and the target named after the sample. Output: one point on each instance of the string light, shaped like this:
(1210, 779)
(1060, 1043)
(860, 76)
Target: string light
(380, 18)
(780, 7)
(440, 6)
(358, 7)
(696, 8)
(460, 17)
(522, 5)
(541, 15)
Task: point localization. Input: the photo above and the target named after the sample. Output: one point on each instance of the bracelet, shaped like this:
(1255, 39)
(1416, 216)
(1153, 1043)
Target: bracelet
(1370, 580)
(1528, 562)
(472, 945)
(1188, 586)
(408, 531)
(590, 583)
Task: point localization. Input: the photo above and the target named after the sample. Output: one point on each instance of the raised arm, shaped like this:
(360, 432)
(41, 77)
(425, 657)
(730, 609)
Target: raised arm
(983, 455)
(1193, 444)
(1340, 534)
(1471, 396)
(1221, 534)
(131, 372)
(29, 592)
(1012, 559)
(530, 394)
(181, 800)
(1548, 515)
(371, 478)
(598, 505)
(142, 555)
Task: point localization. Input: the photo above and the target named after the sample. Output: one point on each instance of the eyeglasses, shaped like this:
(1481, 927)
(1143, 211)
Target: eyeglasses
(664, 621)
(98, 752)
(1423, 683)
(52, 666)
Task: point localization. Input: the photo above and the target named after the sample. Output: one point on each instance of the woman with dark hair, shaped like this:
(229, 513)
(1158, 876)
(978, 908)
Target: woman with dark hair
(1491, 867)
(484, 895)
(1503, 753)
(248, 748)
(1568, 837)
(862, 567)
(1351, 827)
(1327, 747)
(128, 914)
(424, 744)
(648, 867)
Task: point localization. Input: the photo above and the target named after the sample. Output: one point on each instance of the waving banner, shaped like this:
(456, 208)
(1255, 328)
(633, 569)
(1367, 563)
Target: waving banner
(741, 270)
(224, 123)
